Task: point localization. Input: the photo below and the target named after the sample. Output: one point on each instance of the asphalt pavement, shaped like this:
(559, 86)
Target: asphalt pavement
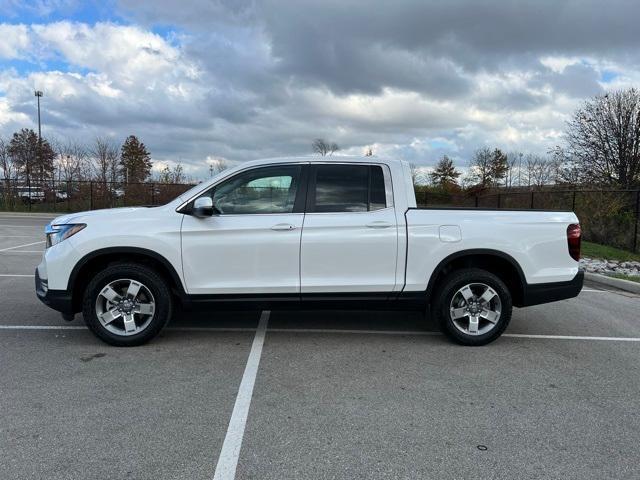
(315, 394)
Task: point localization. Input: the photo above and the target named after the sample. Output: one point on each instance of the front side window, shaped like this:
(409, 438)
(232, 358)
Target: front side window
(258, 191)
(348, 188)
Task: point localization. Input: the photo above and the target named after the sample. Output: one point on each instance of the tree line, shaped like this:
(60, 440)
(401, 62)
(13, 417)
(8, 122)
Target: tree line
(27, 158)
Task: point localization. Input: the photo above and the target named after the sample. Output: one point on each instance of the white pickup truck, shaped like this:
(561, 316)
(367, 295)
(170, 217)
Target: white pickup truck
(335, 232)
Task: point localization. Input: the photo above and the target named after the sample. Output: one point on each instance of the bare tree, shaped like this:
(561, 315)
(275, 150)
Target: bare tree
(569, 170)
(71, 162)
(105, 157)
(541, 170)
(414, 173)
(9, 172)
(6, 162)
(172, 175)
(513, 175)
(323, 147)
(217, 165)
(604, 137)
(480, 171)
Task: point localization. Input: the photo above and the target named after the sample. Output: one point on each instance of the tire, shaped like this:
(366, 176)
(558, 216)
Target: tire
(463, 296)
(111, 294)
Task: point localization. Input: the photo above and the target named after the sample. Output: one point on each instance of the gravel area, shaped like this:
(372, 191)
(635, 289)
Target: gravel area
(608, 267)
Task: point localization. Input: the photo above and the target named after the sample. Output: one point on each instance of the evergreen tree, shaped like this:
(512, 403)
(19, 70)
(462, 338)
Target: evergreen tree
(30, 157)
(488, 168)
(135, 161)
(498, 167)
(445, 174)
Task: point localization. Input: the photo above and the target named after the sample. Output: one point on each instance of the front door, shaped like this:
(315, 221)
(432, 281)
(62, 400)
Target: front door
(253, 244)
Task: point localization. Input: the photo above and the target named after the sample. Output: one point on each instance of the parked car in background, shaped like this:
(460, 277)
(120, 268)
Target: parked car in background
(333, 232)
(30, 194)
(61, 195)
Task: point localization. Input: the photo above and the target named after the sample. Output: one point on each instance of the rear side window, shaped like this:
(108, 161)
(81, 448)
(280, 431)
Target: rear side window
(347, 188)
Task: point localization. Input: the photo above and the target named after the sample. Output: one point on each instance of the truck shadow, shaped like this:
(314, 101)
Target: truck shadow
(307, 319)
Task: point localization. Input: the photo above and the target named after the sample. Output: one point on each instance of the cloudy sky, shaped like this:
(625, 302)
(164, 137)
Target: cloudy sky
(199, 80)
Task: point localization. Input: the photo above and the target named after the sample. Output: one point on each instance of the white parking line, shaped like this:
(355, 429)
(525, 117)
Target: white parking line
(22, 251)
(81, 327)
(20, 226)
(228, 459)
(16, 275)
(572, 337)
(8, 217)
(42, 327)
(20, 246)
(263, 321)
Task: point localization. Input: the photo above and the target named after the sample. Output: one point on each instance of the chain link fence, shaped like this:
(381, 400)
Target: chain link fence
(608, 217)
(75, 196)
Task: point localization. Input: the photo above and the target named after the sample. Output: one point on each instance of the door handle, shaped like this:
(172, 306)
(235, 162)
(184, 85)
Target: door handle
(379, 224)
(283, 227)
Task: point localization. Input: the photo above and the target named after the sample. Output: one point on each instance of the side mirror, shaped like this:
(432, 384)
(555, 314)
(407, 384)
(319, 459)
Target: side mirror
(203, 207)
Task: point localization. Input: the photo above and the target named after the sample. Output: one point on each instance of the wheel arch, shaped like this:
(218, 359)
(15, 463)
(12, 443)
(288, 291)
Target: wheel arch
(499, 263)
(98, 259)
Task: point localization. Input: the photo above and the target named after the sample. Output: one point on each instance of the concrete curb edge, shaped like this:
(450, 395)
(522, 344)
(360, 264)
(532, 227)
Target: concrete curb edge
(626, 285)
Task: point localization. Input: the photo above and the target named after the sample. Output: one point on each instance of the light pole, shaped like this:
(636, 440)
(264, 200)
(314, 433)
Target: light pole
(38, 94)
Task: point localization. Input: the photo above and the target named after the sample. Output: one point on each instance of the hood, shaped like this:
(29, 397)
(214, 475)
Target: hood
(83, 217)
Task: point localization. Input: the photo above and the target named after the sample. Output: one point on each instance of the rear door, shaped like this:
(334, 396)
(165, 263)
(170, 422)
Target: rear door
(350, 234)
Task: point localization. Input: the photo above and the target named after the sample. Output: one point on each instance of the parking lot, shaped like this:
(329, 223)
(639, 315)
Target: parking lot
(315, 394)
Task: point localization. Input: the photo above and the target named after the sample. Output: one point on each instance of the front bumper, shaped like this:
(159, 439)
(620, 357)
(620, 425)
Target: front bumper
(537, 293)
(59, 300)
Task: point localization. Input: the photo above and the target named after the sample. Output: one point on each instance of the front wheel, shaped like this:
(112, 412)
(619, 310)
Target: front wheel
(127, 304)
(473, 306)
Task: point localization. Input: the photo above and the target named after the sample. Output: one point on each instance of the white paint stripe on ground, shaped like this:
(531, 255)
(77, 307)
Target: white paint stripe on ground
(22, 251)
(81, 327)
(20, 246)
(228, 459)
(16, 275)
(7, 217)
(572, 337)
(20, 226)
(42, 327)
(325, 330)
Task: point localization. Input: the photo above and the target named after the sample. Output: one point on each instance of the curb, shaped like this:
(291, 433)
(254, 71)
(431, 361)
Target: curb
(620, 284)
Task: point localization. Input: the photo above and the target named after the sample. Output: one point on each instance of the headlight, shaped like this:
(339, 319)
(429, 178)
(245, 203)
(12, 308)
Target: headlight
(57, 233)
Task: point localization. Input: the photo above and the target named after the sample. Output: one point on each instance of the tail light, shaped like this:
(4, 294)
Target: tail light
(573, 240)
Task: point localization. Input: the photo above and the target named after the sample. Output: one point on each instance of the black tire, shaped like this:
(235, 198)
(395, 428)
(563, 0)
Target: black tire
(457, 280)
(139, 273)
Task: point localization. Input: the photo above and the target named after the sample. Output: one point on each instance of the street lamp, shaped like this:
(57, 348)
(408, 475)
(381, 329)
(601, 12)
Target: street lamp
(38, 94)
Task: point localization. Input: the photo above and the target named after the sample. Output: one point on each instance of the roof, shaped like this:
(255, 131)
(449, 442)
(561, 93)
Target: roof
(326, 158)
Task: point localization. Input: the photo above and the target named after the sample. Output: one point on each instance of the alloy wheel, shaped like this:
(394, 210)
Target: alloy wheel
(475, 309)
(125, 307)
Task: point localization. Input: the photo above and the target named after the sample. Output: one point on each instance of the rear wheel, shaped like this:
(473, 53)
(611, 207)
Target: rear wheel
(127, 304)
(473, 306)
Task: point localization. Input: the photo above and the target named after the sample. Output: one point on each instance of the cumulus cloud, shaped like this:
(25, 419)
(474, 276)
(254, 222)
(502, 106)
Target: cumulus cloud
(244, 79)
(15, 41)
